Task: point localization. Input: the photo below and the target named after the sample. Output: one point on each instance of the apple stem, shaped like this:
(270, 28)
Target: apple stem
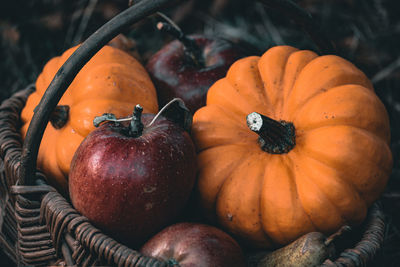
(136, 125)
(192, 50)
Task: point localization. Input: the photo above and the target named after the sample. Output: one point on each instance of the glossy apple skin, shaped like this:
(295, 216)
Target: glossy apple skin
(193, 244)
(132, 187)
(175, 76)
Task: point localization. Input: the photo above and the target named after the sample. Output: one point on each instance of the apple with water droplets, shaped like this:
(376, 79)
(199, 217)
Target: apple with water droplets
(131, 179)
(187, 67)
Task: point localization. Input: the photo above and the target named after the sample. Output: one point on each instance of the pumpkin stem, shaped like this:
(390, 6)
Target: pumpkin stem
(136, 125)
(59, 117)
(192, 50)
(275, 137)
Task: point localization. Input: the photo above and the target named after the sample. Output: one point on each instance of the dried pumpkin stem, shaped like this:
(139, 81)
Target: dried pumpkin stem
(275, 137)
(192, 50)
(135, 128)
(59, 117)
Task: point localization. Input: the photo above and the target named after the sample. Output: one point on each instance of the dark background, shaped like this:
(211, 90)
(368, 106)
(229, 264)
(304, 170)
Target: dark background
(366, 32)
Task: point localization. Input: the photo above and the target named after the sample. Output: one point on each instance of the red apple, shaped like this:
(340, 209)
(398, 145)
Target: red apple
(191, 244)
(133, 180)
(186, 68)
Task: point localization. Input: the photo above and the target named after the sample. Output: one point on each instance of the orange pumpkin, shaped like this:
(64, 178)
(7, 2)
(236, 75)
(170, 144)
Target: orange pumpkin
(111, 82)
(316, 158)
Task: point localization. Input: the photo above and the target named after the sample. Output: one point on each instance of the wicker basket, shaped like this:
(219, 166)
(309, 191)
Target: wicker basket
(40, 227)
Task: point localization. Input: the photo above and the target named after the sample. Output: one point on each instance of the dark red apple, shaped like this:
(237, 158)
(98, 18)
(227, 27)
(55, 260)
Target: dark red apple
(133, 180)
(191, 244)
(186, 68)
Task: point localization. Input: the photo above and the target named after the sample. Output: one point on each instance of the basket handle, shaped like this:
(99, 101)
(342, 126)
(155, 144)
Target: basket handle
(135, 13)
(67, 73)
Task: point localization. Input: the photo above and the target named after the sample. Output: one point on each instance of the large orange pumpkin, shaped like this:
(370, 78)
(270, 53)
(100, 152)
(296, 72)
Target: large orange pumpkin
(111, 82)
(320, 158)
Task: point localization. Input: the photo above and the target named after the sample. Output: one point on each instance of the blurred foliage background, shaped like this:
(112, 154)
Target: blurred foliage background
(366, 32)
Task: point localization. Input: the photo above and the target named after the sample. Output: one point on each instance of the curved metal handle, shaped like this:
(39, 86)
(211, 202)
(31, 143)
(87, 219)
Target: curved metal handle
(67, 73)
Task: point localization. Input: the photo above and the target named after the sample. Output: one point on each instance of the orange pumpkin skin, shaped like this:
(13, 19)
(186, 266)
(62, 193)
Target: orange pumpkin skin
(111, 82)
(338, 167)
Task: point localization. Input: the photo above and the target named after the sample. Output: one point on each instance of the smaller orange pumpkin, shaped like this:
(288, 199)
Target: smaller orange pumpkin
(111, 82)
